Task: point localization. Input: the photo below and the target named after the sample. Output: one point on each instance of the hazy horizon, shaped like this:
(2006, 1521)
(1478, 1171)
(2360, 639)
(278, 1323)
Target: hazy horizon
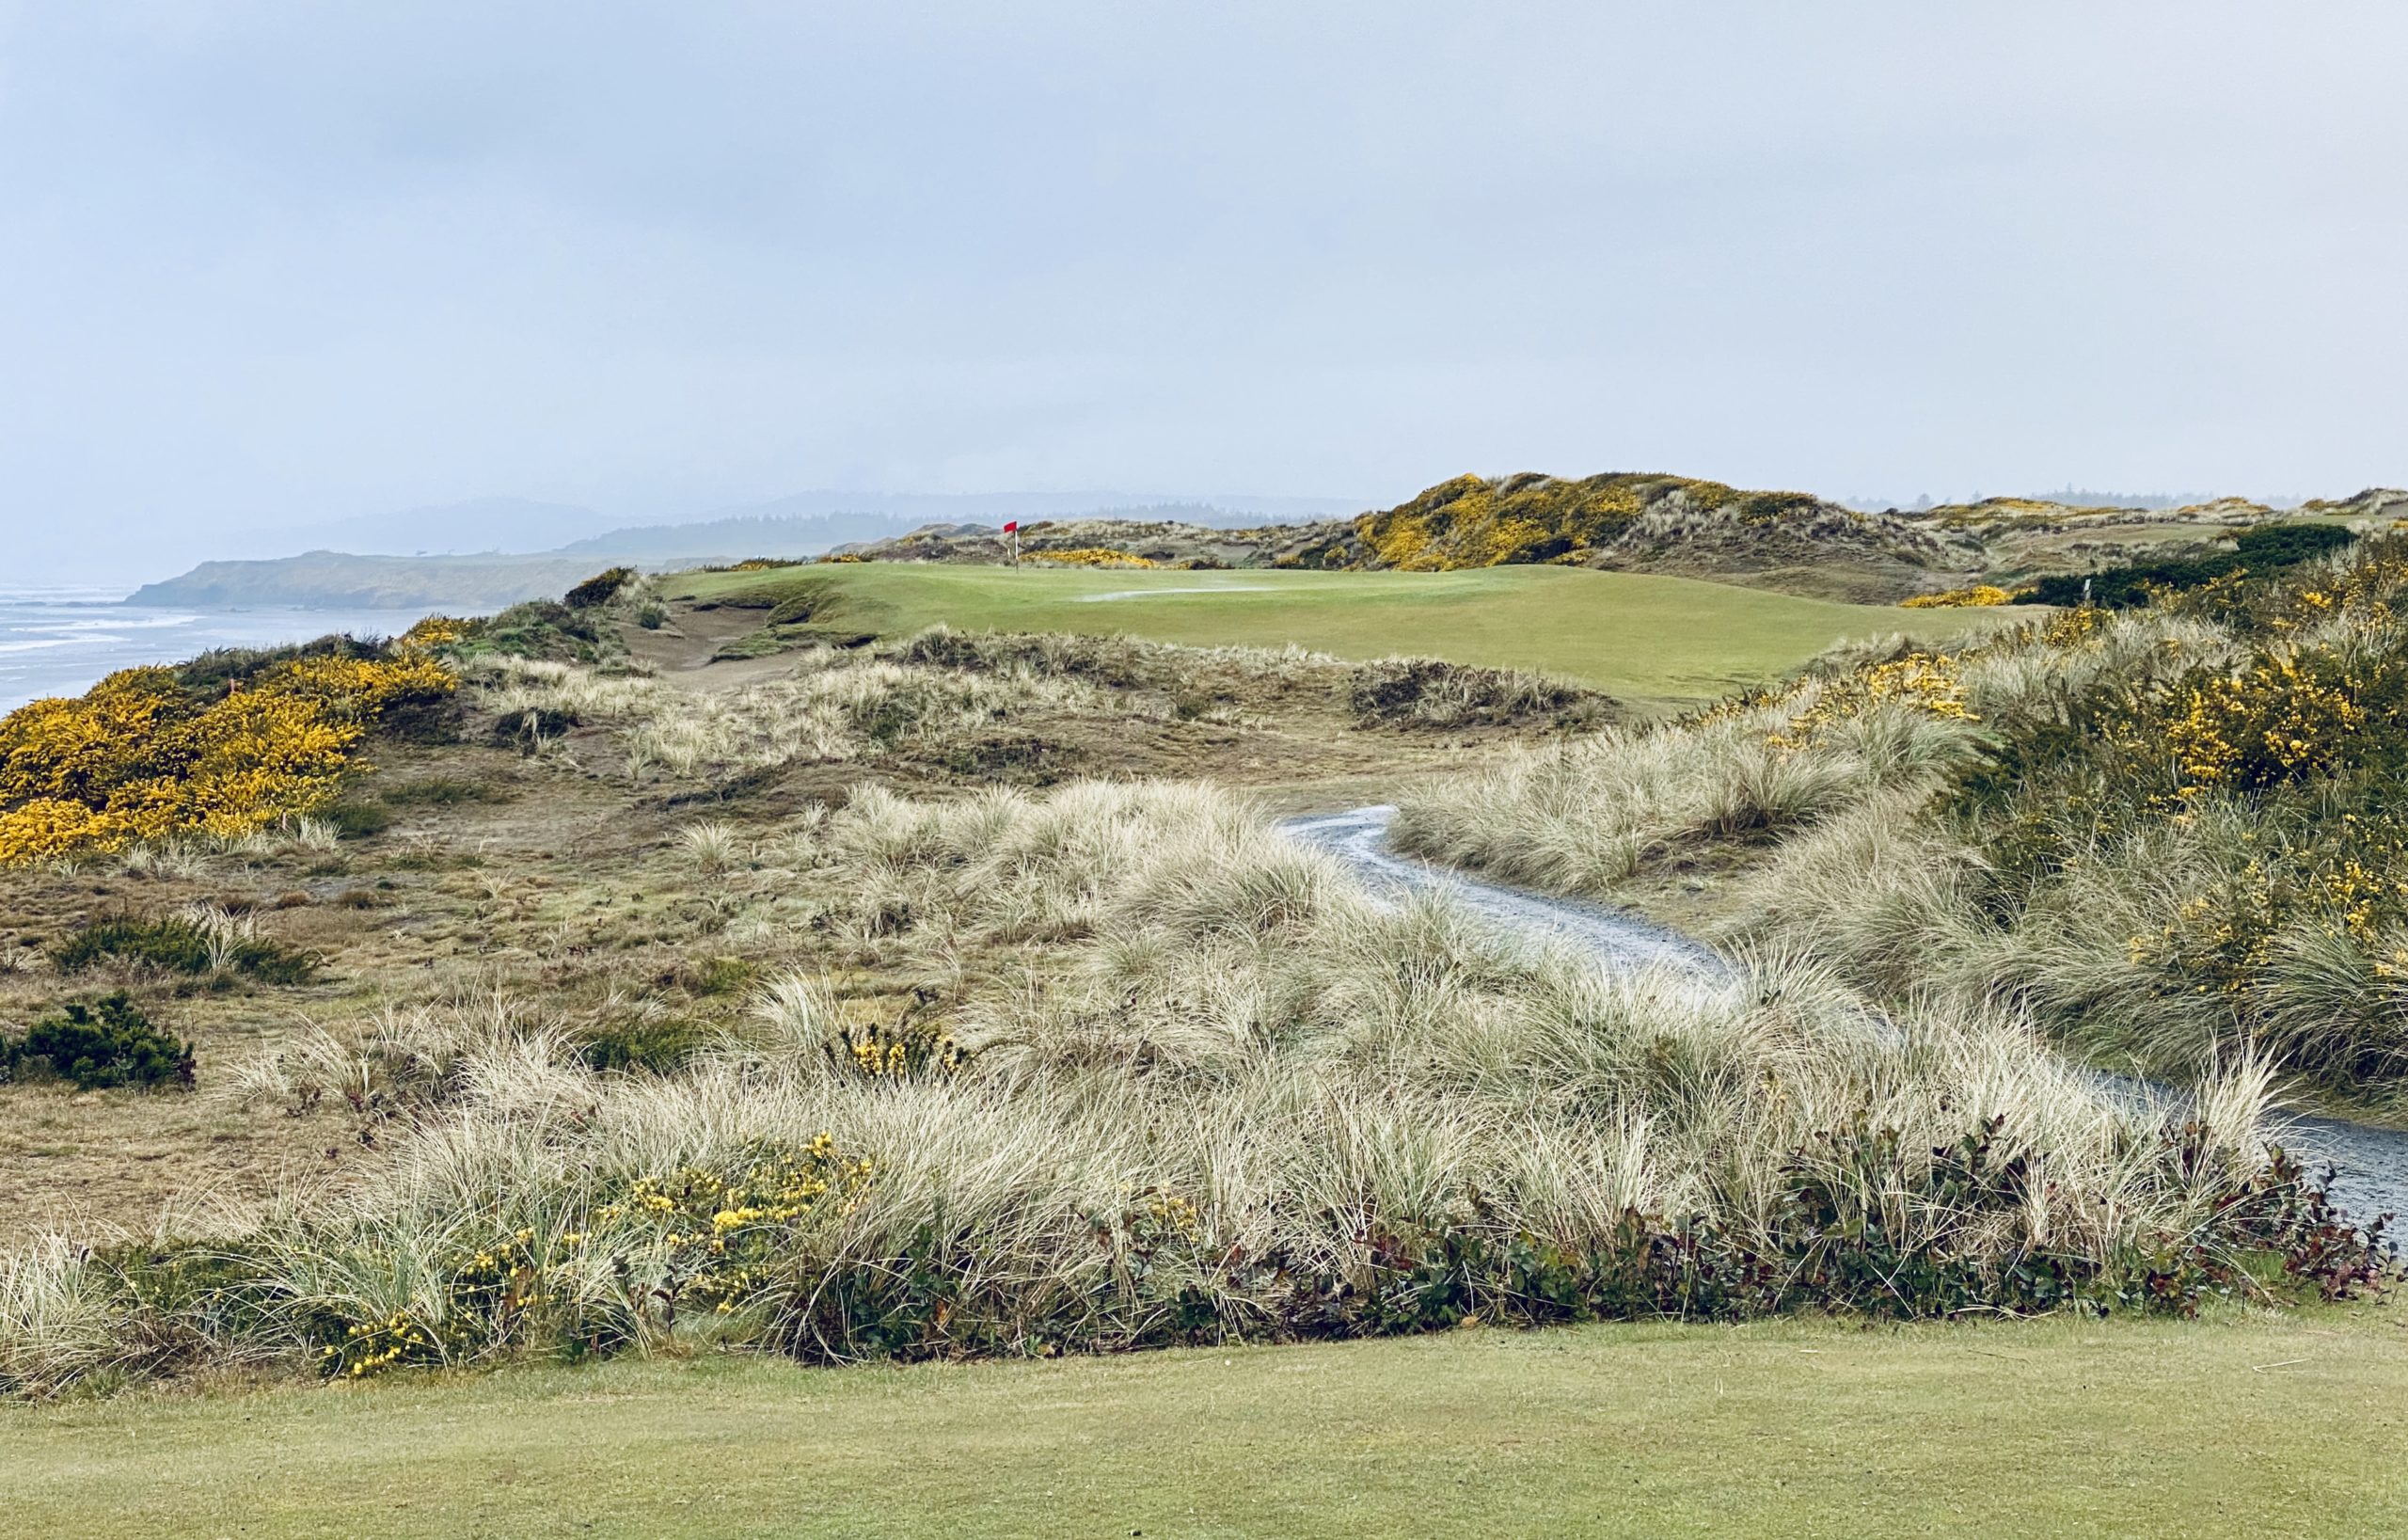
(276, 265)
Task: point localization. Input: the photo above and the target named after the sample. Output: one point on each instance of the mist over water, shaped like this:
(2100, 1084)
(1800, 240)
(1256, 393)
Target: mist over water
(63, 640)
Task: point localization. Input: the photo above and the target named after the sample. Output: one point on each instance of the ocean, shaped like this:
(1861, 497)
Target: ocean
(62, 641)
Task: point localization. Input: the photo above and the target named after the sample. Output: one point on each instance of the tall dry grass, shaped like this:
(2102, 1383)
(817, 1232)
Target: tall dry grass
(1213, 1087)
(831, 705)
(1835, 800)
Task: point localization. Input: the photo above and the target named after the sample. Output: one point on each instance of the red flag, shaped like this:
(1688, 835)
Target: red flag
(1013, 528)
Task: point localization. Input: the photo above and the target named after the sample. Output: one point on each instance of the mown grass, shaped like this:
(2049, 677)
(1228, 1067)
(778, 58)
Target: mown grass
(2248, 1426)
(1646, 639)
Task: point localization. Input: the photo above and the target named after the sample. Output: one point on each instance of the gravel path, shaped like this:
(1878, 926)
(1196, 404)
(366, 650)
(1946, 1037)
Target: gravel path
(2372, 1162)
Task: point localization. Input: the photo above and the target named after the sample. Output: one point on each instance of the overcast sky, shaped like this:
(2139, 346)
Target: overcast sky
(279, 262)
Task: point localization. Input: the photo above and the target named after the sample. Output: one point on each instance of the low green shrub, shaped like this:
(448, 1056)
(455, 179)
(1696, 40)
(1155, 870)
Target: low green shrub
(358, 820)
(660, 1045)
(100, 1045)
(183, 945)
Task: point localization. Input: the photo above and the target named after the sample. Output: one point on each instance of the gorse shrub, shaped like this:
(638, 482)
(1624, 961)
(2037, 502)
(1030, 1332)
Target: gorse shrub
(142, 756)
(2169, 832)
(1093, 556)
(1981, 596)
(101, 1045)
(1473, 522)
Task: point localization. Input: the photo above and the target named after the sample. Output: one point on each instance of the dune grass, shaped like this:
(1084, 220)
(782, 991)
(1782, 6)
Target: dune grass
(2165, 832)
(1650, 639)
(1194, 1085)
(2250, 1426)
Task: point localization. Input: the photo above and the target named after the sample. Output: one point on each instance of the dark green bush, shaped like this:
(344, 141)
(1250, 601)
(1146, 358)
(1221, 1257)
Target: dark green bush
(178, 946)
(600, 589)
(2130, 586)
(2264, 548)
(101, 1044)
(2287, 544)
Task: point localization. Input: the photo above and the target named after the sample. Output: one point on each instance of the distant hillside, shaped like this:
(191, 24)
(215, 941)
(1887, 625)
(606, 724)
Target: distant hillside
(1159, 542)
(331, 579)
(1632, 522)
(2037, 513)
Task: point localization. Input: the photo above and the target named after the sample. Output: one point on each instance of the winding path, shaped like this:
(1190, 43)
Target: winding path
(2372, 1162)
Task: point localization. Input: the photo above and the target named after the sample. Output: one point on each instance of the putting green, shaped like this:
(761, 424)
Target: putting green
(1664, 641)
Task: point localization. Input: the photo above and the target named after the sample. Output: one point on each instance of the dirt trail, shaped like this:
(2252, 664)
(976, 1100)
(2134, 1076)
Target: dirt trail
(2372, 1162)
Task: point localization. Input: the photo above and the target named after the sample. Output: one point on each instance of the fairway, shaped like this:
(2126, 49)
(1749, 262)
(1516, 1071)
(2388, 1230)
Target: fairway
(2055, 1427)
(1650, 639)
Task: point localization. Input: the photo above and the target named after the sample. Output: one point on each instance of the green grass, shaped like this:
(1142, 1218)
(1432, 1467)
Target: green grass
(2253, 1426)
(1647, 639)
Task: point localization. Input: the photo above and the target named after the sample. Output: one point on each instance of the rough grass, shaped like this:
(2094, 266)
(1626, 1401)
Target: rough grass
(964, 700)
(1219, 1081)
(1647, 639)
(2237, 1427)
(2164, 832)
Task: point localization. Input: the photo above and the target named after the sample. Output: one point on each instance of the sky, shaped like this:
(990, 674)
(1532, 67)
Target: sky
(269, 264)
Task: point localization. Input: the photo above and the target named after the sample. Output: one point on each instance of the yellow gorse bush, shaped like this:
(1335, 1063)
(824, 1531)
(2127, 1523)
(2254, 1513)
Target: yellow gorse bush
(1928, 683)
(1094, 556)
(2286, 717)
(1979, 596)
(1474, 522)
(138, 758)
